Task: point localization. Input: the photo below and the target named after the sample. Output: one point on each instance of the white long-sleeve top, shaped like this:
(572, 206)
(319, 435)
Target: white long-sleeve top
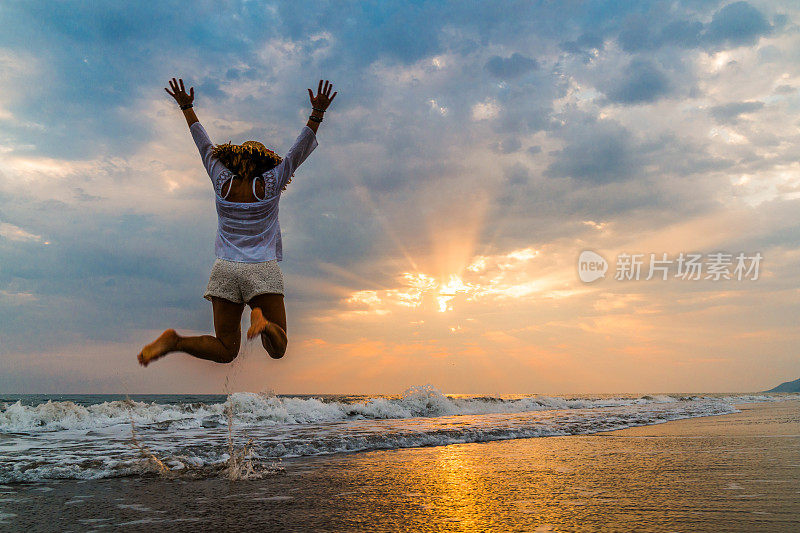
(249, 232)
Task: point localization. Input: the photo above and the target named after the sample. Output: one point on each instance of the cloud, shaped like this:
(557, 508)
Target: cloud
(485, 279)
(510, 67)
(584, 46)
(459, 131)
(642, 33)
(15, 233)
(596, 151)
(509, 145)
(641, 82)
(730, 113)
(736, 24)
(485, 110)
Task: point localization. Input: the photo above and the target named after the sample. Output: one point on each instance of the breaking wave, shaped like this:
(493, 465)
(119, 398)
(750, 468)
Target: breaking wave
(66, 439)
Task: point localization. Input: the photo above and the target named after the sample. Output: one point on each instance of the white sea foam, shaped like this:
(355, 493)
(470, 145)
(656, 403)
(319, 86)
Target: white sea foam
(62, 439)
(267, 409)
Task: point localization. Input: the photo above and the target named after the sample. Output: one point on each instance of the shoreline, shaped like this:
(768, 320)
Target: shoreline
(732, 472)
(55, 440)
(685, 425)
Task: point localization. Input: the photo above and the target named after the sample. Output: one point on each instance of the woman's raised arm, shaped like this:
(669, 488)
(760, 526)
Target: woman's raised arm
(184, 99)
(319, 104)
(216, 170)
(306, 142)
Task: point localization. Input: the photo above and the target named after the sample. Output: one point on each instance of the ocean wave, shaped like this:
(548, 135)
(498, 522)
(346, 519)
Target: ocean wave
(252, 408)
(58, 439)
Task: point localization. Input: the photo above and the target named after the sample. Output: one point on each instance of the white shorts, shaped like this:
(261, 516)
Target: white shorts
(241, 282)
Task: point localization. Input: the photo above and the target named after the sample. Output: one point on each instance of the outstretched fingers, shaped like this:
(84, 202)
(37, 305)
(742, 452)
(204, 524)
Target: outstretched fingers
(324, 96)
(178, 91)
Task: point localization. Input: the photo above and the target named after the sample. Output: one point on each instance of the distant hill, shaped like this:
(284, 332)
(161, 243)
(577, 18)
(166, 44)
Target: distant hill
(789, 386)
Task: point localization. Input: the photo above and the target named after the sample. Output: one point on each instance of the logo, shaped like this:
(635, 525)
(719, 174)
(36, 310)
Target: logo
(591, 266)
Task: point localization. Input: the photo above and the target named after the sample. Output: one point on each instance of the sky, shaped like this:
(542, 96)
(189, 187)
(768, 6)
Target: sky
(474, 150)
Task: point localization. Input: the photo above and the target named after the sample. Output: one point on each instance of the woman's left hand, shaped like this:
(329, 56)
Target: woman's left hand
(179, 92)
(324, 97)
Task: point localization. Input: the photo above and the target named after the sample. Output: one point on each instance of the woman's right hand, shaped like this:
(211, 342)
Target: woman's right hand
(179, 92)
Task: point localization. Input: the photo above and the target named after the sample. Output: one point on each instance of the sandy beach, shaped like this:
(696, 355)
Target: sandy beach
(737, 472)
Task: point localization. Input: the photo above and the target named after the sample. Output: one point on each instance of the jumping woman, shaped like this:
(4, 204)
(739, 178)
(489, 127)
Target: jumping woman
(248, 180)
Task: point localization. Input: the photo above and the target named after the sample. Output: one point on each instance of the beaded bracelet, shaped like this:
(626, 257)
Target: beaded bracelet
(318, 109)
(315, 119)
(186, 106)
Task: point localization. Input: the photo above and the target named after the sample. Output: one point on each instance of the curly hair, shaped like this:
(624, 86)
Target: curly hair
(248, 160)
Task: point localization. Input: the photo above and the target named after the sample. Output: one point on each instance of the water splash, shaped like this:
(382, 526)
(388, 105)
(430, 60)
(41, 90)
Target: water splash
(240, 464)
(154, 462)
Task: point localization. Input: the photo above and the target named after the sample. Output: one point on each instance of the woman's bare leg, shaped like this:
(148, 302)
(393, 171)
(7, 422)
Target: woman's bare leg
(268, 319)
(222, 348)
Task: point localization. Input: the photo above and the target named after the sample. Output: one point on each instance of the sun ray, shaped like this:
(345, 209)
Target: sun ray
(377, 213)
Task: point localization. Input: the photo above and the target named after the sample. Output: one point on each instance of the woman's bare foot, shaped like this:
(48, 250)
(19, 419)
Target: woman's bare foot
(274, 340)
(257, 323)
(273, 337)
(165, 343)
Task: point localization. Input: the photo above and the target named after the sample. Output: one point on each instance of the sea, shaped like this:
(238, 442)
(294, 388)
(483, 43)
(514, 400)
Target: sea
(247, 435)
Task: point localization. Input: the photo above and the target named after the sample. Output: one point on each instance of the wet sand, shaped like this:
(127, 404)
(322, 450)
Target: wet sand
(738, 472)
